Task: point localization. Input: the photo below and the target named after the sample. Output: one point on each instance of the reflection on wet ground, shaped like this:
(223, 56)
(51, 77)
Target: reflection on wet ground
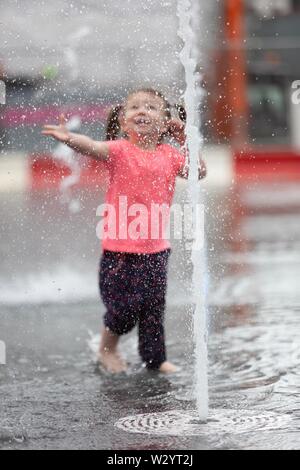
(51, 394)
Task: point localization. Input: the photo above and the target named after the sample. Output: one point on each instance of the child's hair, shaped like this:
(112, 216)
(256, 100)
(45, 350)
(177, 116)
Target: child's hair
(113, 127)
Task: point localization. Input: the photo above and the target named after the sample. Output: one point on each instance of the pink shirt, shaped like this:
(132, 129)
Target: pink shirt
(141, 183)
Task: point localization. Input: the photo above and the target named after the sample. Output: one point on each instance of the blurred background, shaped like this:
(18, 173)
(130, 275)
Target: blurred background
(80, 57)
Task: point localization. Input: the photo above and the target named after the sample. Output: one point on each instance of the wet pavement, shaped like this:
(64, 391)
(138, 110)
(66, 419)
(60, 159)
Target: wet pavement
(53, 397)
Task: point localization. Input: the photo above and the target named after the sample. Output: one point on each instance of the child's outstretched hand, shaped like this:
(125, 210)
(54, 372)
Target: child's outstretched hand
(60, 132)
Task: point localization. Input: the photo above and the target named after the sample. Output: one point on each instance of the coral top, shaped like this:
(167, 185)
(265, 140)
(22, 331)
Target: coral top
(142, 185)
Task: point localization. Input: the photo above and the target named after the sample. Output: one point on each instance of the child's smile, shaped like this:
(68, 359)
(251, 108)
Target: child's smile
(144, 117)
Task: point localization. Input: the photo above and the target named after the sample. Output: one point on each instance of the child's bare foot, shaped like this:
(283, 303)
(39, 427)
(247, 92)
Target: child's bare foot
(112, 362)
(108, 356)
(168, 368)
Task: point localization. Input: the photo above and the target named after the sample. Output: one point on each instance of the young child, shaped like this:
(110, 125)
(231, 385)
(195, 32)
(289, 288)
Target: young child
(133, 272)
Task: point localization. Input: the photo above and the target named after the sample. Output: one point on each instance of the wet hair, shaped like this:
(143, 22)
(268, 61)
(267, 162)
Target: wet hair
(113, 127)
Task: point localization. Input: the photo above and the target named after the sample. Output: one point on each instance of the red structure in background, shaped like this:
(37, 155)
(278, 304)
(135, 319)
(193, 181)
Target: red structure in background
(45, 171)
(267, 164)
(236, 73)
(231, 108)
(48, 173)
(229, 97)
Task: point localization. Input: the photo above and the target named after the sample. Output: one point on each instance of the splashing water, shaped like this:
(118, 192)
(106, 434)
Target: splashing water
(71, 52)
(62, 152)
(70, 159)
(188, 56)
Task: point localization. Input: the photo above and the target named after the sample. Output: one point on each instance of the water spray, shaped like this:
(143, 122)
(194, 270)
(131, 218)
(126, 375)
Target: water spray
(188, 56)
(62, 152)
(66, 155)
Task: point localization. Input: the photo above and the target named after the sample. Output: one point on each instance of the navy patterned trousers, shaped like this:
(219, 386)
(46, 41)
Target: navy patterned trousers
(133, 289)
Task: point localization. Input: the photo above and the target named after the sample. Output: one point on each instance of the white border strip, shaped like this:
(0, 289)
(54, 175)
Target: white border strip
(14, 172)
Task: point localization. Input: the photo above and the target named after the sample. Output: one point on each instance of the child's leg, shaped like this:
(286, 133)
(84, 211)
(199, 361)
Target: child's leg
(116, 323)
(121, 317)
(108, 354)
(152, 346)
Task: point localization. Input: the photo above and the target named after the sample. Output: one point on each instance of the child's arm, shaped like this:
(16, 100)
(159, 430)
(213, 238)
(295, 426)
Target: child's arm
(177, 131)
(77, 142)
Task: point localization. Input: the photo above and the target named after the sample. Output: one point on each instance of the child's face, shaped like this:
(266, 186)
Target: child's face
(144, 116)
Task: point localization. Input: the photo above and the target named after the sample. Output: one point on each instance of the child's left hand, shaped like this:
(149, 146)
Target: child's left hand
(177, 130)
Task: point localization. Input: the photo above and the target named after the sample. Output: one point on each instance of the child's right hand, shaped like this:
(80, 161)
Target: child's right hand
(60, 132)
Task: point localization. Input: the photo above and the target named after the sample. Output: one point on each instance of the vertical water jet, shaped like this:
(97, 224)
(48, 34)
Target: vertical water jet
(187, 13)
